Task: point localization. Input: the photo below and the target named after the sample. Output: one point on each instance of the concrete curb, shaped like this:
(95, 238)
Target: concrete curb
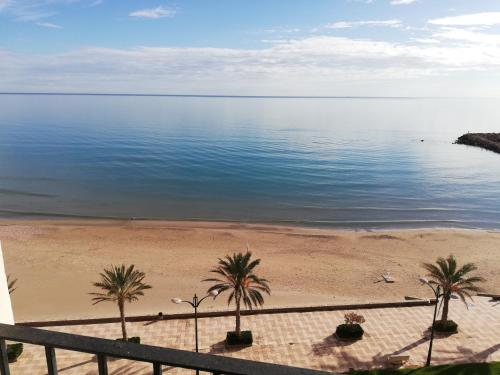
(215, 314)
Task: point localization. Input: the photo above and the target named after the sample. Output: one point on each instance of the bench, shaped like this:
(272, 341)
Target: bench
(398, 360)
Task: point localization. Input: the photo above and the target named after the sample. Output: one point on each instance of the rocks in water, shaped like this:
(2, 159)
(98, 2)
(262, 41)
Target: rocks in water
(488, 141)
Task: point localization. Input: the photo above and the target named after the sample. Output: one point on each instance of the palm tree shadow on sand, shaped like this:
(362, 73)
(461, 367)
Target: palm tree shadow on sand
(75, 365)
(327, 345)
(345, 361)
(333, 346)
(404, 349)
(126, 369)
(469, 355)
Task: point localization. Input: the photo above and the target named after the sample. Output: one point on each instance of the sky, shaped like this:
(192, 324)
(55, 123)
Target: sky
(252, 47)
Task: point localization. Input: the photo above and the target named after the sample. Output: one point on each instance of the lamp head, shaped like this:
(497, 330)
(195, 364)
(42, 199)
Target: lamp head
(214, 293)
(177, 301)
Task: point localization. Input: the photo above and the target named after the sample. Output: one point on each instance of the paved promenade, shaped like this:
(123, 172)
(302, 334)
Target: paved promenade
(300, 339)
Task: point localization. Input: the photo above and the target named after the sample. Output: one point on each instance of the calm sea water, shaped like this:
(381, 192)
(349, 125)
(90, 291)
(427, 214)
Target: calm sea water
(335, 162)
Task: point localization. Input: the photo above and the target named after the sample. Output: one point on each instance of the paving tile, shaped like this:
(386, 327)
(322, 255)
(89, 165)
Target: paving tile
(297, 339)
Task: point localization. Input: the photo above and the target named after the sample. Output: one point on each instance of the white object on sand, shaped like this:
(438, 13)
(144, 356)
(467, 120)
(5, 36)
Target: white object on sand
(387, 277)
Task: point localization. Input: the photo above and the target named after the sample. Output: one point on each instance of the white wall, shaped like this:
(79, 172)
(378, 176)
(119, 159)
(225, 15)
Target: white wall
(6, 314)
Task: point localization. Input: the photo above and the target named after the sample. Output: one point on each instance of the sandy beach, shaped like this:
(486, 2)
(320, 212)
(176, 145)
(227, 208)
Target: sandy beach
(56, 262)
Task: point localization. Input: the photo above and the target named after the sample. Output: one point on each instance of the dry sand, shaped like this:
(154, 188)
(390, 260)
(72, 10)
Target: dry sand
(56, 262)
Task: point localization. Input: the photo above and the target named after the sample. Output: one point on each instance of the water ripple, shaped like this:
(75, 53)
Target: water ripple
(349, 163)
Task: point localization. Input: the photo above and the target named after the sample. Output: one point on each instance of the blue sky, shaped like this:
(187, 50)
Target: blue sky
(302, 47)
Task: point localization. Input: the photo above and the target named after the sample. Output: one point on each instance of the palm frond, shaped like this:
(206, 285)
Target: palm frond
(11, 284)
(237, 275)
(453, 279)
(120, 283)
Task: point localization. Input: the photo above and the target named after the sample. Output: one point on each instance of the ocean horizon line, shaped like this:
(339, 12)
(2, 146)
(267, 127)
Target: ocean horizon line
(239, 96)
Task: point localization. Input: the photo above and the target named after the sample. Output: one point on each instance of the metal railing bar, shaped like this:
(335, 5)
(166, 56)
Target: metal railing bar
(102, 363)
(157, 369)
(4, 360)
(50, 355)
(146, 353)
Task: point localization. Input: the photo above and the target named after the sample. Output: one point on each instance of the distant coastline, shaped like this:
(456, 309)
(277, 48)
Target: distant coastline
(488, 141)
(224, 95)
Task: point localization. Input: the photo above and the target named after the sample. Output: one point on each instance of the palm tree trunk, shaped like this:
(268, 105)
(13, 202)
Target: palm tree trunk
(238, 317)
(121, 306)
(444, 316)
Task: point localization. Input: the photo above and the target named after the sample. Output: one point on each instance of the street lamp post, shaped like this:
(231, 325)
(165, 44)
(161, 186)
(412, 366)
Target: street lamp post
(437, 293)
(195, 303)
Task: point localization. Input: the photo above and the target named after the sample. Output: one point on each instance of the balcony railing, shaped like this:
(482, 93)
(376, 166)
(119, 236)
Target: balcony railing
(156, 356)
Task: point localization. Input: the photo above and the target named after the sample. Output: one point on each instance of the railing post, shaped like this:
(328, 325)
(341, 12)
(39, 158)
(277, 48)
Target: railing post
(102, 362)
(50, 354)
(4, 360)
(157, 370)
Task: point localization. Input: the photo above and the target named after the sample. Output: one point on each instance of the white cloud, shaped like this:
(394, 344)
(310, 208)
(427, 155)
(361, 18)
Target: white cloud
(95, 3)
(286, 30)
(426, 40)
(314, 65)
(403, 2)
(350, 24)
(475, 19)
(49, 25)
(273, 41)
(154, 13)
(468, 36)
(439, 54)
(35, 10)
(27, 10)
(4, 4)
(362, 1)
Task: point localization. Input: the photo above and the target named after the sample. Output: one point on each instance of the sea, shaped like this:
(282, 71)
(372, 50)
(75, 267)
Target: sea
(345, 162)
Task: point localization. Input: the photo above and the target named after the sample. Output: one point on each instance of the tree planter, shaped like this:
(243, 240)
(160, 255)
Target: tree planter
(244, 339)
(14, 351)
(448, 326)
(135, 340)
(349, 331)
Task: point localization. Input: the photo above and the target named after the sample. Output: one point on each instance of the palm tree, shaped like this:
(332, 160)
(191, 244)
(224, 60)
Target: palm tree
(11, 284)
(236, 274)
(120, 284)
(452, 279)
